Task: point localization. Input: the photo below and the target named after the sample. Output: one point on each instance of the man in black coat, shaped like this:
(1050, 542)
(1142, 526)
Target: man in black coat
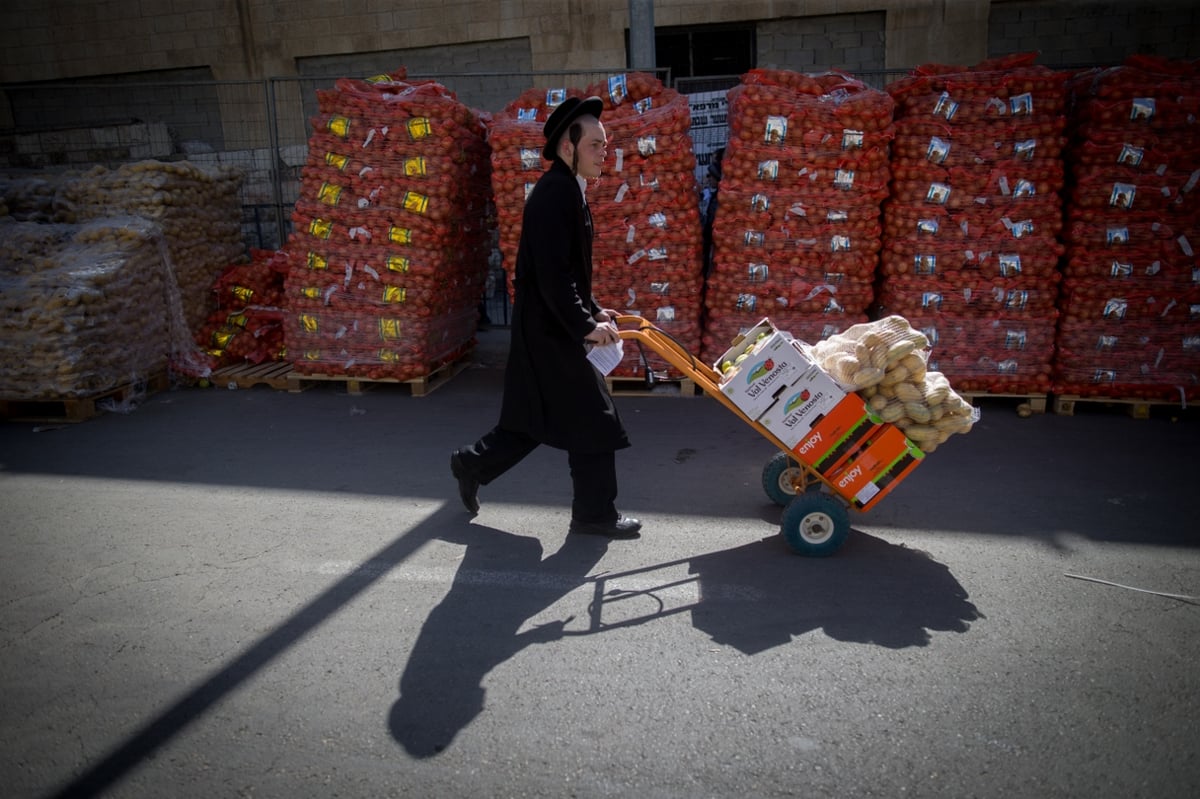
(552, 393)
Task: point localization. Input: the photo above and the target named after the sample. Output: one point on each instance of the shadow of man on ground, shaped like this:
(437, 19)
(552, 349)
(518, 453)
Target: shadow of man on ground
(476, 628)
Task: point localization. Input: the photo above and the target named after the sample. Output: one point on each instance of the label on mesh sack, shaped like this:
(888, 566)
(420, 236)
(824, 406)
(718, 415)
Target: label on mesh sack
(1010, 264)
(931, 299)
(1120, 270)
(1016, 299)
(419, 128)
(837, 216)
(311, 355)
(852, 139)
(316, 261)
(760, 202)
(1024, 150)
(338, 125)
(555, 97)
(221, 339)
(945, 107)
(1104, 376)
(617, 89)
(768, 170)
(839, 244)
(389, 329)
(320, 228)
(417, 203)
(754, 238)
(938, 193)
(1021, 104)
(927, 226)
(336, 161)
(243, 293)
(389, 356)
(647, 145)
(414, 166)
(394, 293)
(1023, 188)
(1130, 155)
(643, 105)
(1009, 367)
(1106, 343)
(1014, 339)
(400, 235)
(758, 273)
(329, 193)
(1115, 308)
(308, 323)
(844, 179)
(1142, 108)
(925, 264)
(310, 292)
(1122, 195)
(1116, 235)
(747, 302)
(661, 289)
(531, 158)
(937, 151)
(397, 263)
(775, 131)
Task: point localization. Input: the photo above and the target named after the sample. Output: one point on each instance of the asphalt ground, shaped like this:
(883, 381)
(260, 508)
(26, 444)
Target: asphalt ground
(259, 593)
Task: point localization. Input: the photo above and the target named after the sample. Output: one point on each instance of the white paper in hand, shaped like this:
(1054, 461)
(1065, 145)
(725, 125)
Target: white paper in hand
(605, 357)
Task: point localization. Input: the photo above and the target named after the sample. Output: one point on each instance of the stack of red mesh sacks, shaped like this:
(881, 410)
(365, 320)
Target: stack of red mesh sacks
(646, 213)
(971, 228)
(1130, 305)
(516, 141)
(247, 326)
(390, 243)
(646, 254)
(797, 232)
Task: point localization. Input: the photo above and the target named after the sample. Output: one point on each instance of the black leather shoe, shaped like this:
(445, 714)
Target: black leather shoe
(468, 486)
(623, 527)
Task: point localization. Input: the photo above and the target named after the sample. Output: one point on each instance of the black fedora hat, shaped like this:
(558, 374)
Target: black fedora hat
(570, 110)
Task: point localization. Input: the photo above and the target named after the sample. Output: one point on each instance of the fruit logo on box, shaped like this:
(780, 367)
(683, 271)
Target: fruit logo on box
(760, 371)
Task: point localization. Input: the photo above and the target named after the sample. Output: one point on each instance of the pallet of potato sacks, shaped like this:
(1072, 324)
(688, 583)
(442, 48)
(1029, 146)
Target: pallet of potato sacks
(52, 410)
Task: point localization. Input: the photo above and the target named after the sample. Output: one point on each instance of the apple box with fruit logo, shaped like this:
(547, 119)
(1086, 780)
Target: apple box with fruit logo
(755, 381)
(810, 397)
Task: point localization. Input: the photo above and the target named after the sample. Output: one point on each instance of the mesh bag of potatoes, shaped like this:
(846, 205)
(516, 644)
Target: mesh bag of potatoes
(885, 363)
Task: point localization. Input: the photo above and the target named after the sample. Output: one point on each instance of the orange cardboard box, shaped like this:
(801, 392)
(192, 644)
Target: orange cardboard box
(877, 468)
(837, 435)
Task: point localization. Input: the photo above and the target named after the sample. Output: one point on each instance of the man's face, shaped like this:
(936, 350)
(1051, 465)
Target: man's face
(591, 150)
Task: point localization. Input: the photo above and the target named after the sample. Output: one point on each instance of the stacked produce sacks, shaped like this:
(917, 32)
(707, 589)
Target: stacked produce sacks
(247, 326)
(196, 207)
(797, 232)
(645, 209)
(83, 308)
(971, 227)
(388, 256)
(1131, 295)
(516, 140)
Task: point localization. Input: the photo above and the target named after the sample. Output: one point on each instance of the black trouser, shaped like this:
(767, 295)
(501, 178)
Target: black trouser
(593, 474)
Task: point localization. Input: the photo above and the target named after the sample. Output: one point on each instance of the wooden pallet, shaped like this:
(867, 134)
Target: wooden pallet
(419, 386)
(272, 374)
(1066, 405)
(78, 409)
(1026, 404)
(636, 387)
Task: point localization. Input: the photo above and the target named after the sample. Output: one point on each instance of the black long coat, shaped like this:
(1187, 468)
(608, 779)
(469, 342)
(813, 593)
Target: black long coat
(551, 391)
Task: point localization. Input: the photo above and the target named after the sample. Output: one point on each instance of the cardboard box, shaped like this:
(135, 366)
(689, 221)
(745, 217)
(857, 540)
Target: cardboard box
(805, 402)
(837, 435)
(773, 363)
(877, 468)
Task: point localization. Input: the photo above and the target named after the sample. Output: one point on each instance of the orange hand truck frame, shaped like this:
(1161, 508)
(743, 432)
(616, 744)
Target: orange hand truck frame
(815, 519)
